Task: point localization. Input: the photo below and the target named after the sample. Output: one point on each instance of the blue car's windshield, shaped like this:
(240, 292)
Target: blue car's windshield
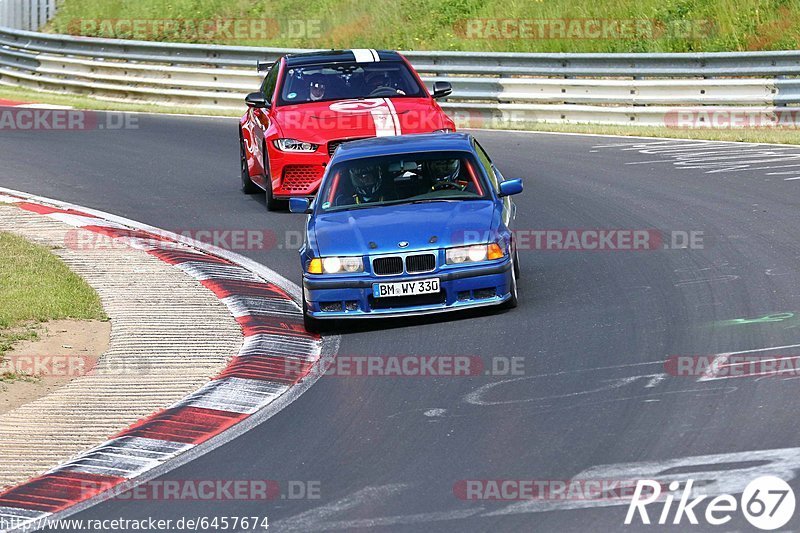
(407, 178)
(320, 83)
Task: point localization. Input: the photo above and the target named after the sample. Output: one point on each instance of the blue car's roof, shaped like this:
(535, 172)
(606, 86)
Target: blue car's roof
(404, 144)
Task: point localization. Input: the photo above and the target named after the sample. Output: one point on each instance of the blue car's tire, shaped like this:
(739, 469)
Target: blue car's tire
(512, 302)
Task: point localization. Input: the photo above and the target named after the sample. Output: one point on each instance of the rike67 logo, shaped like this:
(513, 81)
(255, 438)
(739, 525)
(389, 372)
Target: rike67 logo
(767, 502)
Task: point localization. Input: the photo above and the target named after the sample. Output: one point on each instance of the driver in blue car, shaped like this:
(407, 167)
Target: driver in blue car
(444, 174)
(367, 181)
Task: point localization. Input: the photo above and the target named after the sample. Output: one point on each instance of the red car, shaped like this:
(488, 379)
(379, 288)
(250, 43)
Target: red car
(311, 103)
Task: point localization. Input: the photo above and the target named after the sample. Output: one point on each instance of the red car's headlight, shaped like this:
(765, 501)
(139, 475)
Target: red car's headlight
(293, 145)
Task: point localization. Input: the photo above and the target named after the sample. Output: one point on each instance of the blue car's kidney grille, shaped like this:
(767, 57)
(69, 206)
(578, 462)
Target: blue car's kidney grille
(387, 266)
(420, 263)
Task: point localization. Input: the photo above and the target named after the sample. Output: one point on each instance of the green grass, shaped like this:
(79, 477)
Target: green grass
(35, 287)
(440, 24)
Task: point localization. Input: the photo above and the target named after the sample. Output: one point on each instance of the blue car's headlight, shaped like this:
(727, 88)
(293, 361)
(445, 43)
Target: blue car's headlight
(336, 265)
(293, 145)
(474, 253)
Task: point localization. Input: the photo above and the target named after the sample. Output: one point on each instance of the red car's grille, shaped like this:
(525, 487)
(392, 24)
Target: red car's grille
(333, 145)
(301, 178)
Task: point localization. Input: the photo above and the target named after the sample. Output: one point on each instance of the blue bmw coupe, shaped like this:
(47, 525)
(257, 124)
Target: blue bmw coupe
(406, 226)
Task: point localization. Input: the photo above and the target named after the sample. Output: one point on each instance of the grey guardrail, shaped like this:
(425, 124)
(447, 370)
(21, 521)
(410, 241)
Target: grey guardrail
(509, 87)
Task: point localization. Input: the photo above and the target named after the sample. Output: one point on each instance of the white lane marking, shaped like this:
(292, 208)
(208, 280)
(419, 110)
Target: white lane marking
(726, 473)
(791, 179)
(712, 157)
(320, 519)
(712, 373)
(476, 397)
(363, 55)
(725, 278)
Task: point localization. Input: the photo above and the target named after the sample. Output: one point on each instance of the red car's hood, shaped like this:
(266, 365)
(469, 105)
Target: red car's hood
(325, 121)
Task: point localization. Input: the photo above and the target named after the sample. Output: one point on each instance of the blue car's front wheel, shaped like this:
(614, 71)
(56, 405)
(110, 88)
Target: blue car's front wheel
(512, 302)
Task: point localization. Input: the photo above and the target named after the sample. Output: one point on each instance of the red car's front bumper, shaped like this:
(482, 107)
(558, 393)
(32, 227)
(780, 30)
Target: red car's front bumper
(296, 174)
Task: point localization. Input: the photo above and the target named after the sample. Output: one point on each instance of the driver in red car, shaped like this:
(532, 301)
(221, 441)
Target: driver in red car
(316, 88)
(377, 79)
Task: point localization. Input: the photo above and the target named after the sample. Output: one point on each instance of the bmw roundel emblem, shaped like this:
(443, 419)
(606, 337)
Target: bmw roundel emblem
(402, 244)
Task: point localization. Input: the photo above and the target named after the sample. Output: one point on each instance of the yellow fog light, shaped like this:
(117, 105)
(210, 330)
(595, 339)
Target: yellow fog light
(315, 266)
(495, 252)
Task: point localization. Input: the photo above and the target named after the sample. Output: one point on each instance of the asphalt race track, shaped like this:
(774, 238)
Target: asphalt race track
(593, 329)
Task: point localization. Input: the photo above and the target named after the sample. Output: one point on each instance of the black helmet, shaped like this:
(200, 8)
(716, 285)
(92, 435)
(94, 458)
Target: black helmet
(444, 169)
(366, 180)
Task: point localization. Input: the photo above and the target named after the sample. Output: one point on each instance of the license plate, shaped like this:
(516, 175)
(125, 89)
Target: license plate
(405, 288)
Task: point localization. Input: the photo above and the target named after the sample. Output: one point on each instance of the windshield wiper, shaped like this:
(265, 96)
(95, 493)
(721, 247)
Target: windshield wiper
(429, 200)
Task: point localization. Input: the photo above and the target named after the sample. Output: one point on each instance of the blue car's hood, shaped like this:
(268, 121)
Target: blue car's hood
(351, 232)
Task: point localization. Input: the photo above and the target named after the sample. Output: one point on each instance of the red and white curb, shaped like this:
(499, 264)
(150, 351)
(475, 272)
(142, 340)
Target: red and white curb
(273, 368)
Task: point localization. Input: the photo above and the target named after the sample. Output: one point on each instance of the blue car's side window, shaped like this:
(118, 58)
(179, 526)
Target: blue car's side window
(487, 165)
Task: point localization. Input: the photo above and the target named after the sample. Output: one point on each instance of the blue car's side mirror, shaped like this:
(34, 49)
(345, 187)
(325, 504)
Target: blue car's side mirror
(299, 205)
(509, 187)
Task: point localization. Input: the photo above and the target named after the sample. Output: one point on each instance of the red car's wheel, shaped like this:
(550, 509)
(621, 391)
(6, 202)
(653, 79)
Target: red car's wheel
(273, 204)
(248, 187)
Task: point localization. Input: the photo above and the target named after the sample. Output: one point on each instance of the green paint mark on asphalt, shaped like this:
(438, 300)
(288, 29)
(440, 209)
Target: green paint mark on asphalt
(767, 319)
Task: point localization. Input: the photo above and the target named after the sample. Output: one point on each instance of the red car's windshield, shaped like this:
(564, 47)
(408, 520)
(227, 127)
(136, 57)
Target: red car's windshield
(319, 83)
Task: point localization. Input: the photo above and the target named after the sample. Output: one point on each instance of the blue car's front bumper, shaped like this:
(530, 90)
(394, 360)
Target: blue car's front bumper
(461, 287)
